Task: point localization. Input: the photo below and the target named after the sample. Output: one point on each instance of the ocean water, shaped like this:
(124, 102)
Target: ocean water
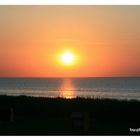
(116, 88)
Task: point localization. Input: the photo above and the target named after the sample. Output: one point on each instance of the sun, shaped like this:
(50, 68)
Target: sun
(67, 58)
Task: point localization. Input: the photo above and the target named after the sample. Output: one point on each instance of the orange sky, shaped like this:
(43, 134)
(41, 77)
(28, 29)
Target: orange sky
(104, 39)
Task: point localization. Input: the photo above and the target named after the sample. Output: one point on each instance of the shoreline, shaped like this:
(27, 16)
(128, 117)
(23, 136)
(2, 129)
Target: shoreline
(72, 98)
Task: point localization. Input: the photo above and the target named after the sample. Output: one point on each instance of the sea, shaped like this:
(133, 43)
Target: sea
(108, 88)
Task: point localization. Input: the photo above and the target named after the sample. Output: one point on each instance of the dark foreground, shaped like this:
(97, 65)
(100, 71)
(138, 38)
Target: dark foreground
(45, 116)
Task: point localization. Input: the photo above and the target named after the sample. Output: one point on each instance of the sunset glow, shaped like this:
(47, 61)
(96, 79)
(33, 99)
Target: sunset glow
(69, 41)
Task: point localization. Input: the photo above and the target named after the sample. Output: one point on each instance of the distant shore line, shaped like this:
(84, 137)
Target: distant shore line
(70, 99)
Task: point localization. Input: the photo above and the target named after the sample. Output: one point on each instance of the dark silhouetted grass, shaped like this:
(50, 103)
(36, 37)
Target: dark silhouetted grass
(57, 116)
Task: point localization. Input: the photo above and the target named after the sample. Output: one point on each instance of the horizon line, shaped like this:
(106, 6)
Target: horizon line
(72, 77)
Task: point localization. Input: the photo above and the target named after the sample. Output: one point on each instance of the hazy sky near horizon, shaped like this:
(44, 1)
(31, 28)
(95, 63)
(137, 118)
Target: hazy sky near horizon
(105, 39)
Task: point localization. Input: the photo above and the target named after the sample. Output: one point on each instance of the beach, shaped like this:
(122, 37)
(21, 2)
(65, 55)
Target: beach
(22, 115)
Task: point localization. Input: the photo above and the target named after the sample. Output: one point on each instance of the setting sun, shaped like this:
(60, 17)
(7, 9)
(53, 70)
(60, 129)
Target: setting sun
(67, 58)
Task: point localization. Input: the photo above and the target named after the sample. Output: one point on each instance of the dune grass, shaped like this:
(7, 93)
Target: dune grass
(57, 116)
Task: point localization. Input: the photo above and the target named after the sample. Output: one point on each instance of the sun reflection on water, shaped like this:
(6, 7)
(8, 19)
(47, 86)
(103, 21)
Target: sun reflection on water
(67, 89)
